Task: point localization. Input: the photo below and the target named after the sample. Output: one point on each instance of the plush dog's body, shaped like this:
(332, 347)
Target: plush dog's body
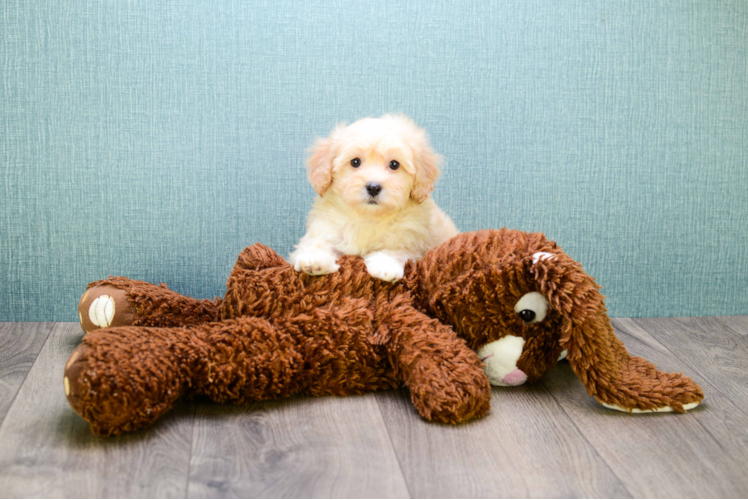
(278, 332)
(374, 178)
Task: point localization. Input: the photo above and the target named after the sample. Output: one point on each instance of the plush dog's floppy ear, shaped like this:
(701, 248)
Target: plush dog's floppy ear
(319, 162)
(427, 172)
(616, 379)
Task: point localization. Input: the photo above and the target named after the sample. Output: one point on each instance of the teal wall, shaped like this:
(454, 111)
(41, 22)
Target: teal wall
(156, 139)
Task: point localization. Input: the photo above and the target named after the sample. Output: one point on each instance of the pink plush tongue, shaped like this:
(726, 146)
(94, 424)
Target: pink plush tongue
(515, 377)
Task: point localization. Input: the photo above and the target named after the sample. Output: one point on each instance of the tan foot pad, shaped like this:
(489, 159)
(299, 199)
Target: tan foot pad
(105, 306)
(75, 366)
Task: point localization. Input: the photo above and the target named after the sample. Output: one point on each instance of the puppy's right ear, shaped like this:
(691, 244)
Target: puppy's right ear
(427, 171)
(319, 163)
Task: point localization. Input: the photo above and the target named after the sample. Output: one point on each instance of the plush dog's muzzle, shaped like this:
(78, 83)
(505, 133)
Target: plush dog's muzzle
(500, 361)
(501, 356)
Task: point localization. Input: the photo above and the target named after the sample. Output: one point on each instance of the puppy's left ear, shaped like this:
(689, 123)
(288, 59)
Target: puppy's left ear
(319, 163)
(616, 379)
(427, 172)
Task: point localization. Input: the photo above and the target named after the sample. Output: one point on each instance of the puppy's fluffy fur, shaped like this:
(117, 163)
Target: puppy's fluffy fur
(373, 178)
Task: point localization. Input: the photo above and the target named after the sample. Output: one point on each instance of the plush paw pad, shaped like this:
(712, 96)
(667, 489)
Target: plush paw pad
(74, 368)
(664, 409)
(542, 256)
(384, 267)
(104, 306)
(101, 311)
(316, 263)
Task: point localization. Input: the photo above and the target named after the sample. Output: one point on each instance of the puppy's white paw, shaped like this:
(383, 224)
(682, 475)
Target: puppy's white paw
(384, 267)
(315, 262)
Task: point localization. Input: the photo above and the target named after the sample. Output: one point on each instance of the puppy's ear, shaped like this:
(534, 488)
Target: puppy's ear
(616, 379)
(319, 162)
(427, 172)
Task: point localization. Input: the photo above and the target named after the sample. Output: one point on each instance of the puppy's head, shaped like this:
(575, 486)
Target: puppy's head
(375, 165)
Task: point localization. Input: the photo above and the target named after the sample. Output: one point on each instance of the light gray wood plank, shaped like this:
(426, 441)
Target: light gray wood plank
(544, 440)
(736, 323)
(48, 451)
(716, 351)
(20, 343)
(525, 447)
(700, 454)
(296, 447)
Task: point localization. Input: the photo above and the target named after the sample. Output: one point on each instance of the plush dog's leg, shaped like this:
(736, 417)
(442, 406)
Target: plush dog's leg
(123, 302)
(121, 379)
(247, 290)
(445, 377)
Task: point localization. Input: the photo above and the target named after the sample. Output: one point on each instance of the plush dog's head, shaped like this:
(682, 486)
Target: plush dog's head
(522, 304)
(375, 165)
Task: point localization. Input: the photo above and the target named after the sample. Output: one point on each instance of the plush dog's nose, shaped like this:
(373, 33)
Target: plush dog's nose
(373, 188)
(515, 377)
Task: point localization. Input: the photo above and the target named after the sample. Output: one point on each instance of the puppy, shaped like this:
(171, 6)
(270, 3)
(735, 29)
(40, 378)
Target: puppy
(373, 178)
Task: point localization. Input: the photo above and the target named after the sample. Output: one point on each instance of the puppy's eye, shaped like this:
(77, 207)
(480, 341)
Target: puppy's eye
(532, 307)
(355, 163)
(394, 164)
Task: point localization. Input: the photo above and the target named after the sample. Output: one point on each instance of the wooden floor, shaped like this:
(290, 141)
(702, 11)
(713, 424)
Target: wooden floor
(545, 440)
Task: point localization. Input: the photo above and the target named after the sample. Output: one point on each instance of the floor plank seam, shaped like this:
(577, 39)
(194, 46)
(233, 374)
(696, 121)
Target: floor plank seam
(721, 321)
(192, 447)
(394, 450)
(25, 377)
(689, 365)
(709, 433)
(574, 423)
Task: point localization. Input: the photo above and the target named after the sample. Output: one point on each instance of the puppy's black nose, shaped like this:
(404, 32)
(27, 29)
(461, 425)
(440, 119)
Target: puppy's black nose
(373, 188)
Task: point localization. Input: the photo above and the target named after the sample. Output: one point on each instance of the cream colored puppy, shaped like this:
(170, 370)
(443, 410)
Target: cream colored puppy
(373, 178)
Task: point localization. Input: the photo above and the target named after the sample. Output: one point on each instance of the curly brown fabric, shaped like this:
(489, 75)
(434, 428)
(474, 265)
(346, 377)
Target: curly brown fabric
(278, 332)
(477, 294)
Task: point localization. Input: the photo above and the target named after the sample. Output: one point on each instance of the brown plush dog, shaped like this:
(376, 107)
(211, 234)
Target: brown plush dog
(278, 332)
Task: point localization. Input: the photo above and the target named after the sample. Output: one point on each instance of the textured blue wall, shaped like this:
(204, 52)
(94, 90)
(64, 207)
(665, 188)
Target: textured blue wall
(156, 139)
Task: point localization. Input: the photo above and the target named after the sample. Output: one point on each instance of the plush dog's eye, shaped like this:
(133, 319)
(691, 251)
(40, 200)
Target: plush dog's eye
(394, 164)
(531, 307)
(527, 315)
(355, 163)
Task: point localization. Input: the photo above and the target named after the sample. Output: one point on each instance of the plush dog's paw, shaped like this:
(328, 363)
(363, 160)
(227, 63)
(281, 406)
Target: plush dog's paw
(74, 369)
(103, 306)
(384, 267)
(315, 262)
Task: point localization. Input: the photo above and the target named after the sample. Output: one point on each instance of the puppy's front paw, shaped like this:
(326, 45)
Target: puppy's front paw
(315, 262)
(384, 267)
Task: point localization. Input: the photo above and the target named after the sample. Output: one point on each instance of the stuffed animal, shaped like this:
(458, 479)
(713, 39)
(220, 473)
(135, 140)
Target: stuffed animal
(498, 306)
